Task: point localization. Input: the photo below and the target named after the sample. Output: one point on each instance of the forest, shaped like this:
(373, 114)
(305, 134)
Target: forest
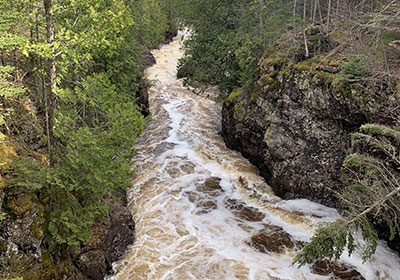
(73, 103)
(70, 82)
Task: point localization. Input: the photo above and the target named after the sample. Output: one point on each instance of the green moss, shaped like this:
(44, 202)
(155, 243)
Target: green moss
(339, 86)
(37, 223)
(233, 96)
(273, 74)
(335, 63)
(275, 60)
(45, 270)
(357, 67)
(273, 86)
(269, 78)
(7, 155)
(318, 78)
(253, 96)
(257, 86)
(287, 72)
(239, 113)
(47, 264)
(22, 203)
(266, 80)
(301, 67)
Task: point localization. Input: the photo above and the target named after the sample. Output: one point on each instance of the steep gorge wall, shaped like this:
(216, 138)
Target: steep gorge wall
(294, 123)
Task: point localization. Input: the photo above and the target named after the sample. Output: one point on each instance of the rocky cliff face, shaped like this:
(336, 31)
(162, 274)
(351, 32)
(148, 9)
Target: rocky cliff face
(294, 124)
(24, 248)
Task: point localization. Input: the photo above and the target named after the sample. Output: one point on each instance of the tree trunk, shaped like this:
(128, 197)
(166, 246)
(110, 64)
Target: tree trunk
(294, 8)
(51, 99)
(314, 11)
(337, 7)
(328, 16)
(262, 20)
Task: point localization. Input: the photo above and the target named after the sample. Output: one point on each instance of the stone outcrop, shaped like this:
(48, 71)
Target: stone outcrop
(294, 124)
(22, 237)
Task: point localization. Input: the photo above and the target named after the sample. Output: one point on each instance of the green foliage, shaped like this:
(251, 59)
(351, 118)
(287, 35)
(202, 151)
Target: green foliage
(11, 28)
(98, 46)
(27, 174)
(69, 223)
(228, 41)
(371, 199)
(8, 88)
(357, 67)
(375, 129)
(151, 21)
(330, 241)
(97, 118)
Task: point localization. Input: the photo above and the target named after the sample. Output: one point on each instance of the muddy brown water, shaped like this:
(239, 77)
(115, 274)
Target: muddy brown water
(203, 212)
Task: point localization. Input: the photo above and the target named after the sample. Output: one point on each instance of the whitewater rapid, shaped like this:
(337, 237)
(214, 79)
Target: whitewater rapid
(203, 212)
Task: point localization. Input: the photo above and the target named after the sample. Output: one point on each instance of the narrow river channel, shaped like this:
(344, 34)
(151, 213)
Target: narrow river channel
(203, 212)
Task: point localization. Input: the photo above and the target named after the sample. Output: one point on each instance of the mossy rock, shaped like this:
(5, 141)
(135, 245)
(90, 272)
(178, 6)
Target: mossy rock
(272, 61)
(233, 96)
(7, 155)
(253, 96)
(28, 268)
(239, 113)
(274, 73)
(274, 86)
(340, 86)
(22, 203)
(287, 72)
(45, 270)
(37, 224)
(319, 78)
(265, 80)
(47, 267)
(301, 67)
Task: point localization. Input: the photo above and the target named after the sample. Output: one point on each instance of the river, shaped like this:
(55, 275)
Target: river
(203, 212)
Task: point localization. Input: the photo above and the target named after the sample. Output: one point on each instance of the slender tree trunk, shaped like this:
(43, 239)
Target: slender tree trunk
(305, 10)
(51, 99)
(314, 11)
(305, 44)
(329, 15)
(262, 20)
(337, 7)
(320, 12)
(294, 8)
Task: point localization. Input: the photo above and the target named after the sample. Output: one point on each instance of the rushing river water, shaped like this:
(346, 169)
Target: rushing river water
(203, 212)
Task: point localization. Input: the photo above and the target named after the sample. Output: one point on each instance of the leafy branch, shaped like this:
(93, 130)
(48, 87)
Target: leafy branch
(372, 198)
